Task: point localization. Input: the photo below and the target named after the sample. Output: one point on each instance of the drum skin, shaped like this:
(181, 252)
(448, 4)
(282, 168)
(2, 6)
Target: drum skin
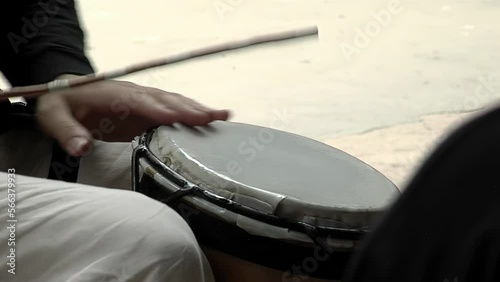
(256, 158)
(259, 178)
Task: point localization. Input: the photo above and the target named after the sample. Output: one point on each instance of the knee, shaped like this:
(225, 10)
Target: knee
(170, 238)
(156, 240)
(173, 249)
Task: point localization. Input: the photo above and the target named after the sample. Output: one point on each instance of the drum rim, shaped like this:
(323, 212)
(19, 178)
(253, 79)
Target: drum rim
(143, 151)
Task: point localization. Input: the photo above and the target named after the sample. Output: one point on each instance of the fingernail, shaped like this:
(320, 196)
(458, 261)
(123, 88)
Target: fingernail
(77, 146)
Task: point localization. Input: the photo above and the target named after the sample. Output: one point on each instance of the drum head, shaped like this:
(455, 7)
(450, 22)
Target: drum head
(284, 174)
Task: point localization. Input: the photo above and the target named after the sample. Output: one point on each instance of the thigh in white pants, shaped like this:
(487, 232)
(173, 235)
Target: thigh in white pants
(72, 232)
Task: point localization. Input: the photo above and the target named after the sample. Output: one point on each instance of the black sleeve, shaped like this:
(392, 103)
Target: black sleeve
(41, 40)
(445, 226)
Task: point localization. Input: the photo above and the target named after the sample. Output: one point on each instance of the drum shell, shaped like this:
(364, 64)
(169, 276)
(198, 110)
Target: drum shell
(311, 237)
(292, 258)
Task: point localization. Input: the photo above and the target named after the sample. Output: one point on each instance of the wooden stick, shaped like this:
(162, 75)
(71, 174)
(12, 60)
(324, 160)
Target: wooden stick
(40, 89)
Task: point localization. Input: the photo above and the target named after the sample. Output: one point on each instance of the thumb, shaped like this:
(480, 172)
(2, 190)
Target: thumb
(56, 119)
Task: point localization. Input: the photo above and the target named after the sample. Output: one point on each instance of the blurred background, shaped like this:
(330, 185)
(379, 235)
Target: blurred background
(384, 81)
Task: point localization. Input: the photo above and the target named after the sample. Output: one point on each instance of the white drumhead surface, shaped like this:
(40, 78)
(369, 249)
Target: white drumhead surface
(275, 161)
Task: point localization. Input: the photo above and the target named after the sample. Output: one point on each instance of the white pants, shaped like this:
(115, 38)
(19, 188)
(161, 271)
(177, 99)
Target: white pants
(30, 152)
(75, 232)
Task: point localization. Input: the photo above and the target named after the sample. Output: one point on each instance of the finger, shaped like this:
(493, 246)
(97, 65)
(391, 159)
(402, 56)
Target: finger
(188, 113)
(220, 114)
(115, 129)
(193, 107)
(142, 101)
(164, 107)
(56, 119)
(214, 114)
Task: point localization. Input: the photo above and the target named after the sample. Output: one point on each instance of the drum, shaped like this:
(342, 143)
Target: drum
(264, 197)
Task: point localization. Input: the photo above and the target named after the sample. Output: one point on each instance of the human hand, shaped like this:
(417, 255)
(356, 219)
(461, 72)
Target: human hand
(115, 111)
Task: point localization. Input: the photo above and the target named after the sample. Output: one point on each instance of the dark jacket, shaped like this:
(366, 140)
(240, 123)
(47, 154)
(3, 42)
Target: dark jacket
(40, 40)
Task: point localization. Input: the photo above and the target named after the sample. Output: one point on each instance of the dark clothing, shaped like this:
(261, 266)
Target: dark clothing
(446, 225)
(39, 41)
